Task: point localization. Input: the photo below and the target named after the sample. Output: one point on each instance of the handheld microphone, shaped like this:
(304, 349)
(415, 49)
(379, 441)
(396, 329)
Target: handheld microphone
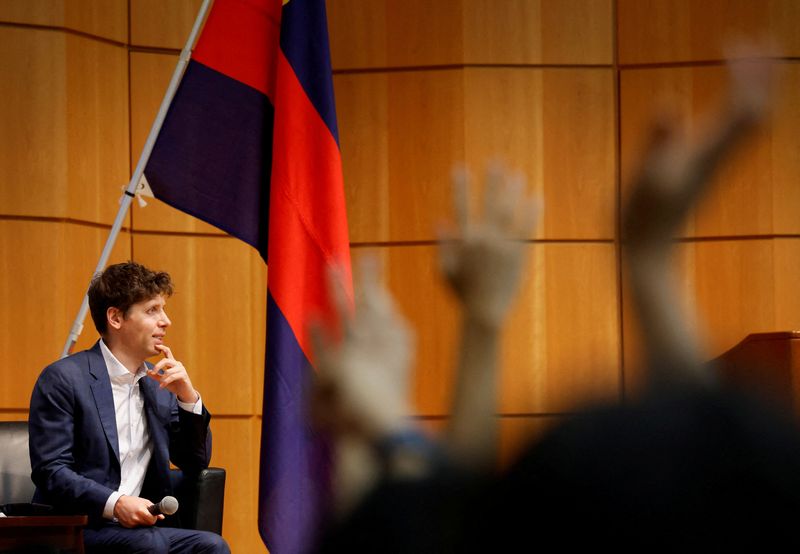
(167, 506)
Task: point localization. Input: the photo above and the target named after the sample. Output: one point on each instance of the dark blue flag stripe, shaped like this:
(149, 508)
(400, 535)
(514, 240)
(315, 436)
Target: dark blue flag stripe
(213, 155)
(304, 41)
(293, 457)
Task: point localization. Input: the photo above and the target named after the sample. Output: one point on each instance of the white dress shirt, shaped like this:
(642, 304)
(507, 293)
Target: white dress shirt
(135, 446)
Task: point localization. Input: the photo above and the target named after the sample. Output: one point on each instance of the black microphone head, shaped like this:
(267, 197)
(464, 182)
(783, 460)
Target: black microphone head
(168, 505)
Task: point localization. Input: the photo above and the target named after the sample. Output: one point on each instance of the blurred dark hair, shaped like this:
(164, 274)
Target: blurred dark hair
(683, 470)
(121, 286)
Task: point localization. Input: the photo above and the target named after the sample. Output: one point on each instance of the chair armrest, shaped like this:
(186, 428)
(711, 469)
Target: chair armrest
(201, 500)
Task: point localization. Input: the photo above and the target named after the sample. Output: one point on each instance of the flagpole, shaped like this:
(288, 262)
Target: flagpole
(136, 178)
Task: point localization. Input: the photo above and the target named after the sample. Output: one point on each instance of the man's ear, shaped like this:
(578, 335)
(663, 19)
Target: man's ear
(114, 317)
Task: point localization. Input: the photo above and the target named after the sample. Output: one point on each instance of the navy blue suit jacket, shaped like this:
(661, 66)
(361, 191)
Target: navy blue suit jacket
(73, 436)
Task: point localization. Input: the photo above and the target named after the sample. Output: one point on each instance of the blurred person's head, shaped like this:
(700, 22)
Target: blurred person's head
(686, 469)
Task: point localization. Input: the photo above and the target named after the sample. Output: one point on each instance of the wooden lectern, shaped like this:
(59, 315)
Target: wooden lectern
(766, 365)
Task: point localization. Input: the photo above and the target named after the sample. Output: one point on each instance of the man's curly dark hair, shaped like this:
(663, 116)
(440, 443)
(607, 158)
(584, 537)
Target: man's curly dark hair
(121, 286)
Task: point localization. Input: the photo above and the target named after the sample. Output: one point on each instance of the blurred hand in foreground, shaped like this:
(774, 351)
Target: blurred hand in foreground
(362, 378)
(482, 258)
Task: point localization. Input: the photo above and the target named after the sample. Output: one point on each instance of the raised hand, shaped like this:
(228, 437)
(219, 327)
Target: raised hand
(482, 259)
(675, 173)
(672, 177)
(483, 262)
(362, 379)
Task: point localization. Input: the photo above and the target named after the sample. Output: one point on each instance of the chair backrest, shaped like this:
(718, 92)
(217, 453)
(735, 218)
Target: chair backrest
(15, 463)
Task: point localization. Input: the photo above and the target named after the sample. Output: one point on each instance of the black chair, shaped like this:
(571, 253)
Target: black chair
(16, 486)
(201, 500)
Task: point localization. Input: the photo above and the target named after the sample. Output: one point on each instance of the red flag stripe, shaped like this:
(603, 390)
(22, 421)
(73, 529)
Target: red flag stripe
(240, 39)
(307, 208)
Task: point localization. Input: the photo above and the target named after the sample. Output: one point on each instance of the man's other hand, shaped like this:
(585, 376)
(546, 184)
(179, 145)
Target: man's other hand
(131, 511)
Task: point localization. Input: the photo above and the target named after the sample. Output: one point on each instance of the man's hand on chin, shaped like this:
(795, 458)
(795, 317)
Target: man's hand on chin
(131, 511)
(171, 375)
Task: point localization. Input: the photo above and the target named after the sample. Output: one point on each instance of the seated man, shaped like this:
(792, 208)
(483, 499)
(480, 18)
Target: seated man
(104, 424)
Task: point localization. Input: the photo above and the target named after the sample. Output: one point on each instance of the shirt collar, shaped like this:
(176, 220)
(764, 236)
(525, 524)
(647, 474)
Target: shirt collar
(115, 367)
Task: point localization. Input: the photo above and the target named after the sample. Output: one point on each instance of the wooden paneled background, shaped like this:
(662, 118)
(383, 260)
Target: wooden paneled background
(562, 90)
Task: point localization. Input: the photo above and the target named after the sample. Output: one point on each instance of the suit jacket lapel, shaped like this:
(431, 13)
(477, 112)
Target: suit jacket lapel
(103, 396)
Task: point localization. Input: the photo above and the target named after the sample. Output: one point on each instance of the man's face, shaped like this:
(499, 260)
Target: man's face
(143, 327)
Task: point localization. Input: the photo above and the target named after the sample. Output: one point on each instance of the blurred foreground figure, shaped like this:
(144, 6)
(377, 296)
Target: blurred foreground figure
(689, 466)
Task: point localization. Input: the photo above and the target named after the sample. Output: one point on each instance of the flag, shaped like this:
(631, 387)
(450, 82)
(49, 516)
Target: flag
(250, 145)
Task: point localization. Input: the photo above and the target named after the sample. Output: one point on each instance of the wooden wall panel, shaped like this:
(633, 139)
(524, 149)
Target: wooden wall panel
(437, 32)
(735, 294)
(218, 313)
(403, 33)
(362, 110)
(160, 23)
(395, 33)
(580, 165)
(64, 114)
(257, 281)
(425, 137)
(538, 32)
(784, 163)
(33, 166)
(787, 284)
(561, 345)
(358, 34)
(97, 128)
(236, 448)
(752, 193)
(505, 122)
(45, 268)
(102, 18)
(656, 31)
(397, 166)
(33, 12)
(150, 76)
(528, 118)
